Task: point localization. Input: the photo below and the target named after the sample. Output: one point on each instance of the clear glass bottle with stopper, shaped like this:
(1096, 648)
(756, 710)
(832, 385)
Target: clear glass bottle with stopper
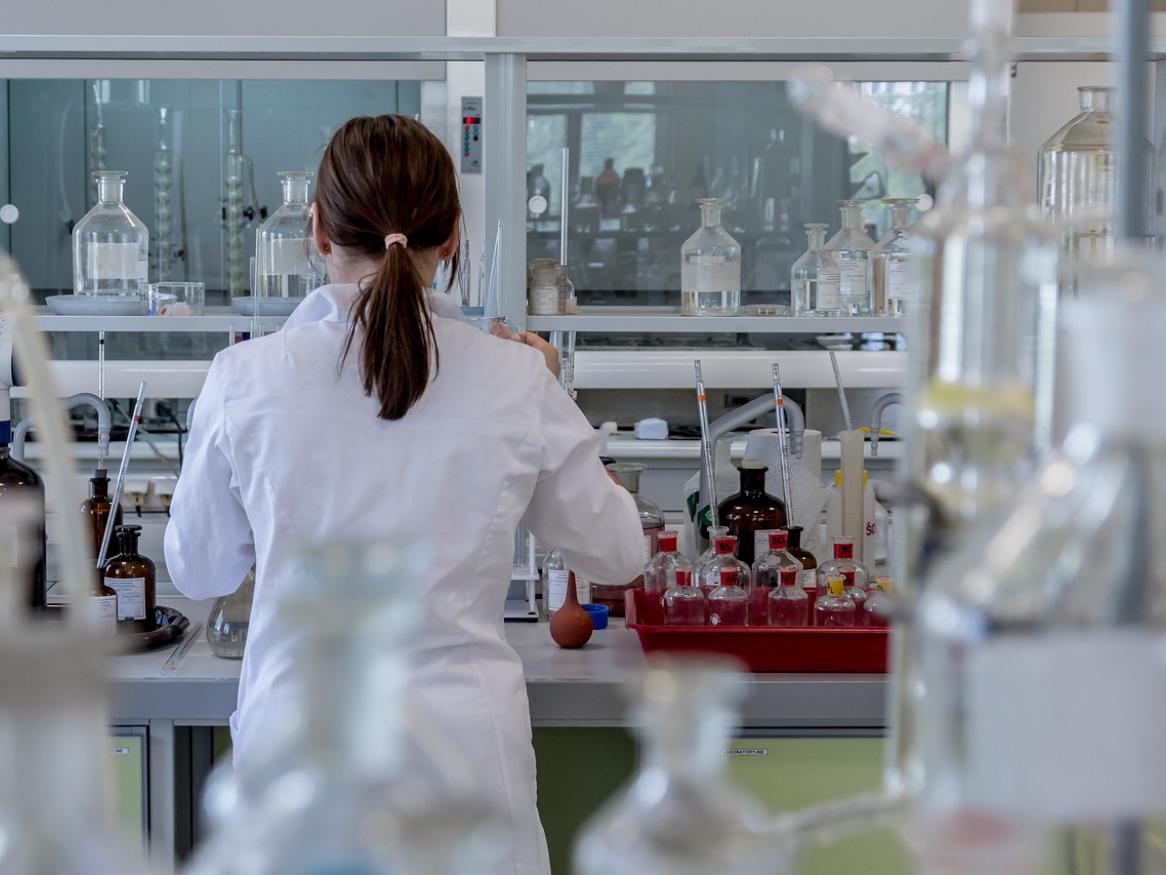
(710, 267)
(286, 265)
(895, 268)
(680, 815)
(684, 603)
(111, 246)
(847, 263)
(809, 299)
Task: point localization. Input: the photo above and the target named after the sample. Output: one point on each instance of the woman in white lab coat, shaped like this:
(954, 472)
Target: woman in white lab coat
(377, 413)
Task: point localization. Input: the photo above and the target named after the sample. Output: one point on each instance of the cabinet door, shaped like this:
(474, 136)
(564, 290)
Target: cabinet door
(127, 751)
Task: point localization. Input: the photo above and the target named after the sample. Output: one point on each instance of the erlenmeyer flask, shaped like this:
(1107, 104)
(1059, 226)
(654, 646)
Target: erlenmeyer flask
(230, 617)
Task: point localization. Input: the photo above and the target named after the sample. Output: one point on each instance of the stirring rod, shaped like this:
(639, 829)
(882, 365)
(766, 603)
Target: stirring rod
(841, 391)
(121, 473)
(180, 651)
(783, 445)
(706, 444)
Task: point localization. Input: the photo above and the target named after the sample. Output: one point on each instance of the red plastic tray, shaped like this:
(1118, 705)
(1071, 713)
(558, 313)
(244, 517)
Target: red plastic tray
(761, 649)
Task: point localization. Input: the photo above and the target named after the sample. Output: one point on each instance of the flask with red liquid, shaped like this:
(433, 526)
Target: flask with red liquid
(842, 563)
(684, 603)
(789, 606)
(659, 574)
(835, 608)
(705, 560)
(767, 576)
(724, 556)
(728, 604)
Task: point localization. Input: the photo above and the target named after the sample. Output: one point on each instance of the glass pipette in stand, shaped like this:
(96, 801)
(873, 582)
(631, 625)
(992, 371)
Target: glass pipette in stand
(115, 499)
(706, 449)
(783, 445)
(841, 391)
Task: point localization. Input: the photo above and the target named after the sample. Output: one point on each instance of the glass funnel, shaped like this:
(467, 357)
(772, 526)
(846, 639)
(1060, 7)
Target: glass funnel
(1041, 639)
(895, 270)
(111, 246)
(229, 620)
(321, 787)
(847, 264)
(710, 267)
(806, 290)
(285, 262)
(680, 815)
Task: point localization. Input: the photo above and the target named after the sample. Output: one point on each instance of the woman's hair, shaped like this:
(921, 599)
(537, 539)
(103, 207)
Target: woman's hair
(381, 176)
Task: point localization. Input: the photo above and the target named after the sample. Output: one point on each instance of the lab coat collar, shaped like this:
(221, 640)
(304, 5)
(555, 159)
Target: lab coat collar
(333, 302)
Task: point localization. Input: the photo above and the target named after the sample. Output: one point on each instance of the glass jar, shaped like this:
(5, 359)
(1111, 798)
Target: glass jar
(286, 265)
(684, 603)
(544, 295)
(680, 814)
(651, 522)
(556, 579)
(804, 276)
(847, 265)
(660, 574)
(132, 576)
(895, 278)
(111, 246)
(230, 617)
(710, 267)
(751, 510)
(768, 574)
(788, 605)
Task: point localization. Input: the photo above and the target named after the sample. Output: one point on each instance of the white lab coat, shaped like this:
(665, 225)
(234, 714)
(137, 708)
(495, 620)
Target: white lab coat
(284, 451)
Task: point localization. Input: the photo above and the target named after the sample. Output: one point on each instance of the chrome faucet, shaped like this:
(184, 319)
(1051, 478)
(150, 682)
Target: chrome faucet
(876, 418)
(82, 399)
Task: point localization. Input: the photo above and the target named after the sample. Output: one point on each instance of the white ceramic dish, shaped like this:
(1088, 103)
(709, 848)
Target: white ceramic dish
(95, 305)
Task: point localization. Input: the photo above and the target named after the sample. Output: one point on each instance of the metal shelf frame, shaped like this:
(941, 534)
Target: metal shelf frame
(216, 320)
(660, 320)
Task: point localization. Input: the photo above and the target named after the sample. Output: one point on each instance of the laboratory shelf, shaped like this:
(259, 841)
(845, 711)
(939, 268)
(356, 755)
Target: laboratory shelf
(216, 319)
(663, 320)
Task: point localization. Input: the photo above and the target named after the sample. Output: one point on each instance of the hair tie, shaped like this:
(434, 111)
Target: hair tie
(397, 238)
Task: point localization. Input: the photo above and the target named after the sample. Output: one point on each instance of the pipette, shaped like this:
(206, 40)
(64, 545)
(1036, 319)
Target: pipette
(783, 445)
(490, 303)
(706, 445)
(564, 198)
(841, 391)
(121, 473)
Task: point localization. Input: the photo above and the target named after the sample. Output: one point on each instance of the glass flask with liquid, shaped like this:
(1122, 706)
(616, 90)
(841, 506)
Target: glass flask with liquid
(835, 608)
(728, 604)
(652, 523)
(705, 559)
(724, 549)
(680, 814)
(768, 575)
(710, 267)
(846, 263)
(843, 565)
(787, 603)
(751, 510)
(229, 620)
(660, 574)
(895, 270)
(97, 508)
(684, 602)
(556, 578)
(286, 265)
(808, 297)
(132, 576)
(857, 592)
(1041, 637)
(323, 786)
(111, 246)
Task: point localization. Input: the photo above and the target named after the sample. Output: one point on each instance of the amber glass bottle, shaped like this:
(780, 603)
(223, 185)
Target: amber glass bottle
(131, 576)
(809, 580)
(751, 510)
(97, 507)
(20, 483)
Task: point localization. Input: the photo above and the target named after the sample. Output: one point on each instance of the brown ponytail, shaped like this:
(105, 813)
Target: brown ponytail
(378, 177)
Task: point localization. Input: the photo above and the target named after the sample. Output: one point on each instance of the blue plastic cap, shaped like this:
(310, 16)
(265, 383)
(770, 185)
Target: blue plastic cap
(6, 431)
(598, 615)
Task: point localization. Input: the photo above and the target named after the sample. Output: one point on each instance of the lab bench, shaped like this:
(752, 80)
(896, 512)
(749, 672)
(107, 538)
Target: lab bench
(568, 689)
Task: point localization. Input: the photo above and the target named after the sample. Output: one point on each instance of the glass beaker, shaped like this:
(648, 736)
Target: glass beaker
(710, 267)
(895, 269)
(285, 263)
(680, 815)
(230, 617)
(175, 299)
(847, 262)
(806, 290)
(111, 246)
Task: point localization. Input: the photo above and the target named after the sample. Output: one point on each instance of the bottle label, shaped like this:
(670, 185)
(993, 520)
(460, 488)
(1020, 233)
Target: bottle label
(829, 289)
(901, 282)
(647, 548)
(112, 261)
(810, 580)
(131, 596)
(103, 613)
(583, 590)
(852, 279)
(557, 582)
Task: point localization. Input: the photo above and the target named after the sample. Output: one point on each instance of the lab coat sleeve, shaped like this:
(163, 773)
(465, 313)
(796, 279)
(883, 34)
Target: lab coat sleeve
(576, 507)
(209, 545)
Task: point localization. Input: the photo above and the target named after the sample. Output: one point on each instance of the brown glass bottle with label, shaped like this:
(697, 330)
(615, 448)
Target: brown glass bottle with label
(18, 484)
(751, 510)
(132, 576)
(97, 507)
(809, 564)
